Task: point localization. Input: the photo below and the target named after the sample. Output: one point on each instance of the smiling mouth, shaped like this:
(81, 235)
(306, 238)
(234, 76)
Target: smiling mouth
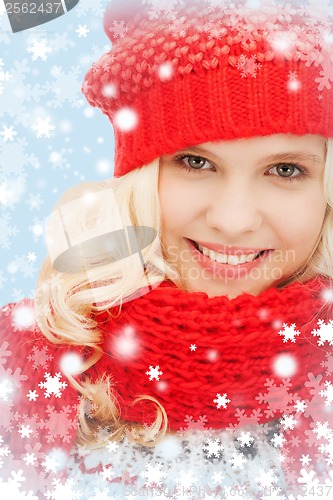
(221, 258)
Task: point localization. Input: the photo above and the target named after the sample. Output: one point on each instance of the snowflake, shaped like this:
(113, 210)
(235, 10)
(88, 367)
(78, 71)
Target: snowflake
(40, 357)
(118, 29)
(154, 373)
(32, 395)
(43, 127)
(92, 7)
(193, 347)
(58, 159)
(213, 448)
(289, 332)
(154, 474)
(325, 332)
(19, 95)
(8, 133)
(107, 473)
(6, 231)
(31, 257)
(4, 451)
(82, 31)
(328, 363)
(248, 66)
(288, 422)
(5, 194)
(186, 479)
(278, 440)
(277, 398)
(39, 49)
(163, 8)
(22, 265)
(63, 491)
(6, 388)
(322, 430)
(266, 478)
(221, 401)
(238, 460)
(58, 423)
(179, 27)
(192, 424)
(4, 75)
(11, 488)
(25, 431)
(112, 446)
(65, 87)
(245, 438)
(327, 393)
(8, 168)
(101, 495)
(52, 385)
(300, 406)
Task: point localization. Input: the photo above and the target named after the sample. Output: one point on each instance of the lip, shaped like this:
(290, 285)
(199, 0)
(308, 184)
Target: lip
(226, 271)
(227, 250)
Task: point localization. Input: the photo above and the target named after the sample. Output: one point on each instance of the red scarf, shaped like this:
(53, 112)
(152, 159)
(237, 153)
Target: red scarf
(235, 344)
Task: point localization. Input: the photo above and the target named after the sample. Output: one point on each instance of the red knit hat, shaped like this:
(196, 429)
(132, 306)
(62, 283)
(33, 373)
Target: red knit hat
(184, 72)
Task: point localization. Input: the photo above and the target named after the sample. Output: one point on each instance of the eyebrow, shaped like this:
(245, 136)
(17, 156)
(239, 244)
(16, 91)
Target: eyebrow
(290, 156)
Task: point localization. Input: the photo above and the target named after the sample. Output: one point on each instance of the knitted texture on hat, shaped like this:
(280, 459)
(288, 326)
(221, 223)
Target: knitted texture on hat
(195, 71)
(213, 356)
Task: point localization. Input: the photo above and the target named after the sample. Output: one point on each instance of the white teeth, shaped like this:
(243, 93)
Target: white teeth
(222, 258)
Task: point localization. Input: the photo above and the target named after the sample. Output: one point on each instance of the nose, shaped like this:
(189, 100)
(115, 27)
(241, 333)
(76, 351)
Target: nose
(234, 209)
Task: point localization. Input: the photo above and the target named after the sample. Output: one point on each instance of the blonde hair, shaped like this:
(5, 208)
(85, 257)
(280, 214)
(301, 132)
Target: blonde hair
(67, 302)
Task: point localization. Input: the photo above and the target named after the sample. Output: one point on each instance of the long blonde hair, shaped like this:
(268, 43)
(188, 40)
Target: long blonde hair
(67, 302)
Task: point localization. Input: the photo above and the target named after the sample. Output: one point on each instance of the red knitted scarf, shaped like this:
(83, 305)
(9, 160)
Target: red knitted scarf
(219, 357)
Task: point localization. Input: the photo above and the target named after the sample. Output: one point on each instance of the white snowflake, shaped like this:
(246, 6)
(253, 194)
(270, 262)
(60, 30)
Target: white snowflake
(213, 448)
(289, 332)
(193, 347)
(266, 478)
(39, 49)
(278, 440)
(25, 431)
(32, 395)
(300, 406)
(8, 133)
(327, 393)
(324, 332)
(245, 438)
(82, 30)
(107, 473)
(288, 422)
(238, 460)
(323, 431)
(112, 446)
(221, 401)
(12, 487)
(63, 491)
(154, 474)
(31, 256)
(52, 385)
(154, 373)
(43, 127)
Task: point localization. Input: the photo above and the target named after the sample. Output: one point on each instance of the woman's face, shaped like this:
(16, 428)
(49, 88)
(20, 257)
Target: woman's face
(224, 202)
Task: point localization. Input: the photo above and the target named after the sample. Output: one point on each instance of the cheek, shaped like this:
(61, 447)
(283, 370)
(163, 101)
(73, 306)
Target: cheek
(301, 219)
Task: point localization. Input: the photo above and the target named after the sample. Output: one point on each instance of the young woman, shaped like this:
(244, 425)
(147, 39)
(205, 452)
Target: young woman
(184, 314)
